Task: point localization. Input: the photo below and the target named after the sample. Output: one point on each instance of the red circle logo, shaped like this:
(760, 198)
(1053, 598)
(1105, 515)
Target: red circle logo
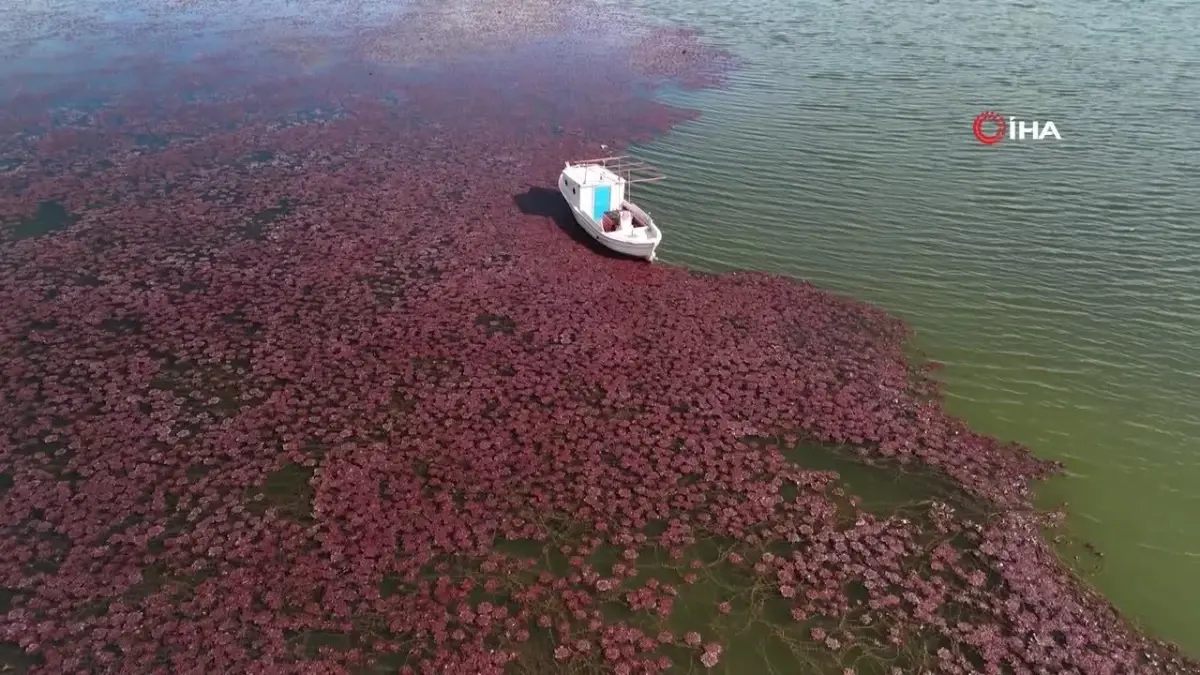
(994, 137)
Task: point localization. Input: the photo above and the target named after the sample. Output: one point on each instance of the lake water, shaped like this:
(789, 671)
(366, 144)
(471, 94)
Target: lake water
(1059, 281)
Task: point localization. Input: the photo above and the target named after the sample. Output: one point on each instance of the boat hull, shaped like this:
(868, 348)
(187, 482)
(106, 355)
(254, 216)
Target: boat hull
(634, 249)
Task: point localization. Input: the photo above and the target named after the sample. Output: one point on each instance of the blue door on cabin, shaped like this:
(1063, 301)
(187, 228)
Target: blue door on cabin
(603, 197)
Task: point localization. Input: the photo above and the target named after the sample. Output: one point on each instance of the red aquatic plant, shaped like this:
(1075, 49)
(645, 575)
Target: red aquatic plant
(311, 370)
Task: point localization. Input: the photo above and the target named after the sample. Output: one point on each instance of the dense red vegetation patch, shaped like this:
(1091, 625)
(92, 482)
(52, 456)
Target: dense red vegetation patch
(313, 374)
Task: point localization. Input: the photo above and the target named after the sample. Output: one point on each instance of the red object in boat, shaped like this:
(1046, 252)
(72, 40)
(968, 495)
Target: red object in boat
(611, 221)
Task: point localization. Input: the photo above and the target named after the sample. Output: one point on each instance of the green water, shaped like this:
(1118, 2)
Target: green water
(1059, 281)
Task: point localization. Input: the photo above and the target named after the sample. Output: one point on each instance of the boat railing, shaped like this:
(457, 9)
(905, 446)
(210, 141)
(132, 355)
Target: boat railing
(630, 169)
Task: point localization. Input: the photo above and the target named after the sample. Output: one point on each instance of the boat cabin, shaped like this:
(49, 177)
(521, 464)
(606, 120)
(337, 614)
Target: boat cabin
(593, 189)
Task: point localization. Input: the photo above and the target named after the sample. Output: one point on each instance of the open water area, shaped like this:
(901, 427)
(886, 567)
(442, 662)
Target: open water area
(1056, 281)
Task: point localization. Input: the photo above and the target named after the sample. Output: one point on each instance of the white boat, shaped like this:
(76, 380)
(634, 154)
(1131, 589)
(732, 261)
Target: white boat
(598, 192)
